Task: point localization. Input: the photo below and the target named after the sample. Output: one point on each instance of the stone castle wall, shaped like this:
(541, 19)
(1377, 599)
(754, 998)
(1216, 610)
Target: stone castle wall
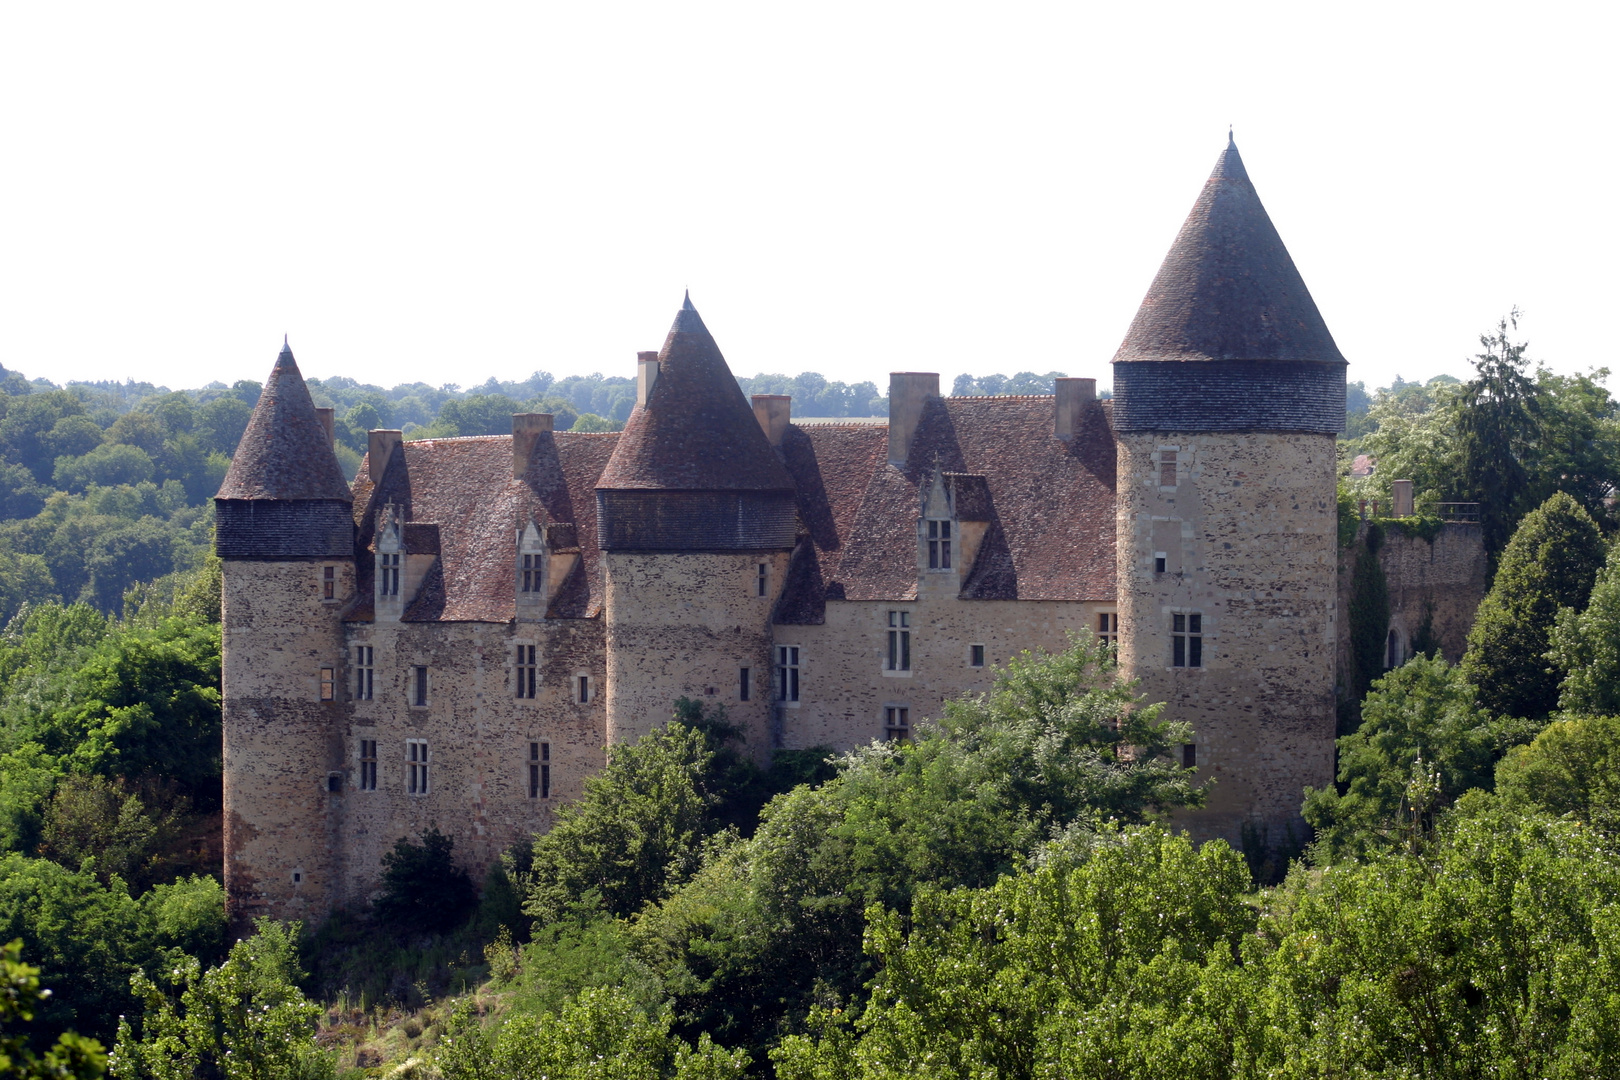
(1249, 535)
(1439, 582)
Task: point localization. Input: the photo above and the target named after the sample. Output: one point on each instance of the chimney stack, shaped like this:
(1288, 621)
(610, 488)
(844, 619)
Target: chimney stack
(1073, 395)
(646, 376)
(328, 419)
(1400, 492)
(909, 391)
(527, 427)
(380, 444)
(774, 412)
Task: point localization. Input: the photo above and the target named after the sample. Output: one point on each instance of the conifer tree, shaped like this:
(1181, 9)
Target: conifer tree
(1586, 645)
(1550, 563)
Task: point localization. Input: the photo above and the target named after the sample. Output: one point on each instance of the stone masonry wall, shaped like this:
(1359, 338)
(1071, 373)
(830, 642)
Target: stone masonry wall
(1249, 536)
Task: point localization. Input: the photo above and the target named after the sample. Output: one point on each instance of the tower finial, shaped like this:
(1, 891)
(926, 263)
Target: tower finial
(1230, 141)
(686, 305)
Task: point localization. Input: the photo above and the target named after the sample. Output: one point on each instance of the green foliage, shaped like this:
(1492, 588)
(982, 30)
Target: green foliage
(93, 818)
(1422, 742)
(1586, 645)
(243, 1020)
(814, 395)
(1550, 563)
(73, 1057)
(1573, 767)
(1349, 516)
(1025, 382)
(1368, 617)
(601, 1034)
(423, 889)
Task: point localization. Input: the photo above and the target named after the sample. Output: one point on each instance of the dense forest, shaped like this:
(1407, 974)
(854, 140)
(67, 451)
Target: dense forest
(1002, 896)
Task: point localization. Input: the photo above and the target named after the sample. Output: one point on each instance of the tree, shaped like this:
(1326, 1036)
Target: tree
(1573, 767)
(1586, 645)
(72, 1058)
(1498, 421)
(243, 1020)
(1550, 563)
(422, 887)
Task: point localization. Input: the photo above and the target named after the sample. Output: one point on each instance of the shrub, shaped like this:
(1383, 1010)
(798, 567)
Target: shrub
(422, 888)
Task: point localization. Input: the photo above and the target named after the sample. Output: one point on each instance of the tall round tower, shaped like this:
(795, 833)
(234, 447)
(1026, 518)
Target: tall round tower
(696, 519)
(1228, 394)
(285, 532)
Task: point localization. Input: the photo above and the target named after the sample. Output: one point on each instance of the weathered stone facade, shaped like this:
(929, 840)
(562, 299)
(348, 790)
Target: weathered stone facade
(1432, 584)
(456, 638)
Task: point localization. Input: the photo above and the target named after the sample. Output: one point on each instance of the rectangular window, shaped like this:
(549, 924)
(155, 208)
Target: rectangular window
(416, 758)
(896, 723)
(531, 573)
(388, 574)
(328, 690)
(1167, 468)
(787, 673)
(368, 764)
(583, 688)
(899, 641)
(1108, 627)
(976, 656)
(939, 545)
(539, 770)
(1159, 562)
(364, 683)
(1189, 756)
(762, 581)
(1187, 639)
(527, 671)
(328, 583)
(419, 686)
(745, 687)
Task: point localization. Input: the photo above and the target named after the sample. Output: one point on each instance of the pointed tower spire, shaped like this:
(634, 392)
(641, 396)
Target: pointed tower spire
(285, 453)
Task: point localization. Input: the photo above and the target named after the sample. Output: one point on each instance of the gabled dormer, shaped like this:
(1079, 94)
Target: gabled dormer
(390, 570)
(546, 555)
(953, 518)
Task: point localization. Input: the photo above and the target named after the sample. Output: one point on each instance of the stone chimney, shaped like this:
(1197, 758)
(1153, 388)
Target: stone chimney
(1073, 396)
(1400, 492)
(774, 412)
(328, 418)
(380, 443)
(909, 391)
(527, 427)
(646, 376)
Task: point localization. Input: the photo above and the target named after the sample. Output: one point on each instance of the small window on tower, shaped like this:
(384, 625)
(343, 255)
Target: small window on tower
(416, 760)
(745, 684)
(1189, 755)
(582, 685)
(528, 671)
(388, 574)
(328, 583)
(975, 656)
(939, 545)
(364, 683)
(419, 686)
(896, 723)
(1187, 639)
(1108, 627)
(787, 673)
(531, 573)
(1167, 468)
(539, 770)
(368, 764)
(1160, 562)
(328, 688)
(762, 580)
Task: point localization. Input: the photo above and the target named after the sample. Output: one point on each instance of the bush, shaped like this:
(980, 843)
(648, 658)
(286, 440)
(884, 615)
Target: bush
(422, 888)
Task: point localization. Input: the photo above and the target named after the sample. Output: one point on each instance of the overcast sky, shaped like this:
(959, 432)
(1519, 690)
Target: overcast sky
(449, 192)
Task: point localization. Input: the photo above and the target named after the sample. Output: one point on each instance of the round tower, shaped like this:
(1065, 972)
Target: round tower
(1228, 394)
(285, 532)
(696, 520)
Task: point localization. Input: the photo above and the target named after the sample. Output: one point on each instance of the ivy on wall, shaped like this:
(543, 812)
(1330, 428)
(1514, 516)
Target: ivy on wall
(1369, 623)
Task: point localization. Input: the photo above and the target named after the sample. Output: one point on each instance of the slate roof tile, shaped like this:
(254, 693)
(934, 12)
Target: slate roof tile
(285, 453)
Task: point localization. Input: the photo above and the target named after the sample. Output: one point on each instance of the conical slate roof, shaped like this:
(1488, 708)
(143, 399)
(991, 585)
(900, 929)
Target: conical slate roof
(697, 432)
(285, 452)
(1228, 290)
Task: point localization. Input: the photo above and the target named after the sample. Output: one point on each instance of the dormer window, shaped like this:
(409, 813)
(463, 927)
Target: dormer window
(388, 574)
(939, 545)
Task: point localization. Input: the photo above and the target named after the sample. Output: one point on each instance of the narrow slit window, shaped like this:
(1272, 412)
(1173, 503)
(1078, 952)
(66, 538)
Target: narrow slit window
(539, 770)
(1187, 639)
(328, 685)
(1167, 468)
(1108, 627)
(762, 581)
(939, 545)
(899, 641)
(976, 656)
(583, 689)
(787, 673)
(531, 573)
(328, 583)
(528, 678)
(896, 723)
(368, 764)
(1189, 755)
(365, 682)
(419, 686)
(388, 574)
(745, 684)
(416, 759)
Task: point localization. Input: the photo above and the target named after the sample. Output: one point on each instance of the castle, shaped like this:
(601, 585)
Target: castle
(455, 636)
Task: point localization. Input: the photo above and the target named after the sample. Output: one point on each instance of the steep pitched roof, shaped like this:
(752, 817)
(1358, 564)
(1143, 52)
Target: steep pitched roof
(1228, 289)
(466, 488)
(1049, 504)
(697, 432)
(285, 453)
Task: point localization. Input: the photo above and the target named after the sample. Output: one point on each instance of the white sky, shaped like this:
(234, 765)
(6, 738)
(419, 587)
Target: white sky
(449, 192)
